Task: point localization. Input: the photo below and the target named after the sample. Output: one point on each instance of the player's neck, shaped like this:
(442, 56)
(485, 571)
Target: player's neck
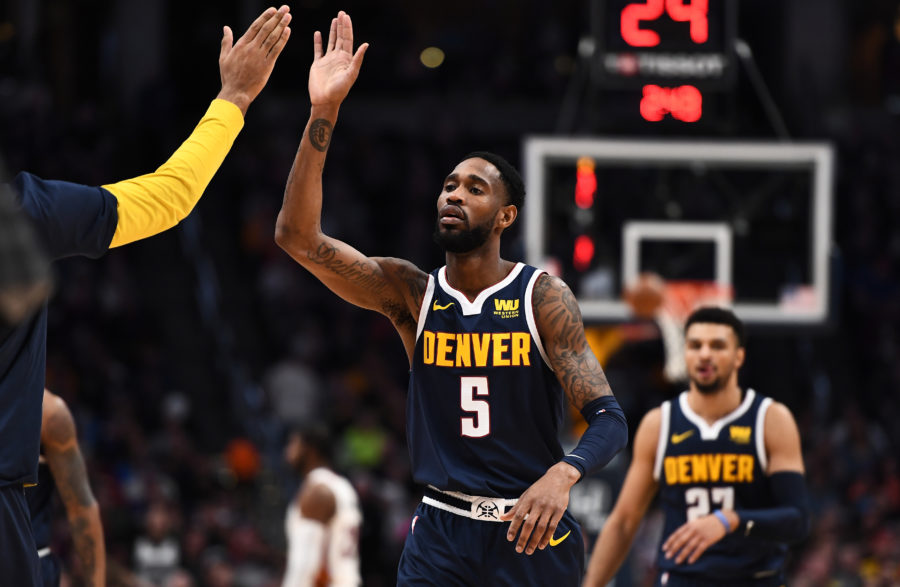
(715, 406)
(471, 273)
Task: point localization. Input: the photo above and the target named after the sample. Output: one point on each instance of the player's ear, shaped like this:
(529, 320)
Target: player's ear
(741, 353)
(507, 215)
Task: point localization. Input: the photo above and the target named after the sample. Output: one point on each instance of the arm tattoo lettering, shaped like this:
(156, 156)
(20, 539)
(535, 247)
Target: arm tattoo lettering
(320, 134)
(85, 548)
(559, 319)
(361, 274)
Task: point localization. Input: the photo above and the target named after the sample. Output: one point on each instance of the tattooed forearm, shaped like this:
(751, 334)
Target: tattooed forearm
(85, 547)
(359, 273)
(559, 322)
(320, 134)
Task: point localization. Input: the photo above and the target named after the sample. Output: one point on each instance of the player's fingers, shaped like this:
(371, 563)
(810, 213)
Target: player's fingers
(317, 45)
(356, 64)
(266, 29)
(227, 40)
(277, 32)
(275, 51)
(332, 34)
(701, 548)
(551, 531)
(348, 33)
(537, 533)
(339, 41)
(674, 542)
(528, 524)
(258, 23)
(689, 547)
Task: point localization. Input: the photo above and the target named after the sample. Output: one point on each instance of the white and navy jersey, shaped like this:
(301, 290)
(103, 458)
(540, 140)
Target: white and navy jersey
(484, 408)
(325, 555)
(703, 467)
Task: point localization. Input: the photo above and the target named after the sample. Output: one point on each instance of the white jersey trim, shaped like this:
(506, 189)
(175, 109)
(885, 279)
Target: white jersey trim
(426, 301)
(662, 442)
(474, 307)
(761, 434)
(711, 431)
(529, 317)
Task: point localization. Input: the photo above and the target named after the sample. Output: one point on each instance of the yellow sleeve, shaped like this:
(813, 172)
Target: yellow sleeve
(155, 202)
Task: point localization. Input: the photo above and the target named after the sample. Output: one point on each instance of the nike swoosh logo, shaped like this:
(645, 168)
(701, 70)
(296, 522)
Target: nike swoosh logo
(676, 438)
(555, 541)
(437, 306)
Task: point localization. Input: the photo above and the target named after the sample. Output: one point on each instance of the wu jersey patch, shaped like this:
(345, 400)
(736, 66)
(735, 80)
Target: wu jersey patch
(506, 308)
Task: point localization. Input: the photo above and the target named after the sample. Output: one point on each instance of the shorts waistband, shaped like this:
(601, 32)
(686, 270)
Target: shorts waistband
(475, 507)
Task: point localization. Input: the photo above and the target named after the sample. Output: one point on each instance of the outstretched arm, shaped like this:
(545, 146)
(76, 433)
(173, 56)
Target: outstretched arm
(560, 326)
(155, 202)
(60, 446)
(390, 286)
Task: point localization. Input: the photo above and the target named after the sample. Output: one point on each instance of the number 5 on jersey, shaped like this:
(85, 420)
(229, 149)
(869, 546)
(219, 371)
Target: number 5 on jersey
(470, 388)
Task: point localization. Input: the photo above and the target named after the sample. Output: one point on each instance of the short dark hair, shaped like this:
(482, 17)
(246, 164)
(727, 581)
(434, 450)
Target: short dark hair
(316, 436)
(717, 315)
(512, 181)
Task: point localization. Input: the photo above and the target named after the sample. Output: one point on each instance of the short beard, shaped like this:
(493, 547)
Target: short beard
(461, 241)
(713, 387)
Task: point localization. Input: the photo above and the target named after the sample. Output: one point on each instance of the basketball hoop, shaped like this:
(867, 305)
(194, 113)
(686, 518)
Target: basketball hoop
(682, 297)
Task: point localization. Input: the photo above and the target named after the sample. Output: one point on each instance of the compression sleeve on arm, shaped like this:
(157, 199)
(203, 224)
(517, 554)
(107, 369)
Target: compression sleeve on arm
(606, 435)
(155, 202)
(786, 522)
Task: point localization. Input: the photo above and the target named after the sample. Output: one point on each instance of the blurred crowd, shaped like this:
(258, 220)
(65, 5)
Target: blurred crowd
(187, 358)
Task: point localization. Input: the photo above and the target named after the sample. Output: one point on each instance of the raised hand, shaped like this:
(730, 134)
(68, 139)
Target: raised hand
(334, 70)
(245, 66)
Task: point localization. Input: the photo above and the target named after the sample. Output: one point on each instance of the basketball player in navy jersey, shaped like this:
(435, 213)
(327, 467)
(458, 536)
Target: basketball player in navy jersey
(728, 468)
(62, 466)
(495, 348)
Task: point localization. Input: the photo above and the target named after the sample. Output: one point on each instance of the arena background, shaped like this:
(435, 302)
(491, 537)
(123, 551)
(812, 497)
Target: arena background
(185, 357)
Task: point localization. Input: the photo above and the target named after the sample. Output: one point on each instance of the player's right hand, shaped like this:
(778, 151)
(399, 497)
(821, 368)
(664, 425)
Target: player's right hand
(335, 69)
(245, 66)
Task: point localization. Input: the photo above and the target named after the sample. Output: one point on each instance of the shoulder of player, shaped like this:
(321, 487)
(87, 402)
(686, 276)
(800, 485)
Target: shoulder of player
(552, 299)
(57, 423)
(317, 502)
(778, 422)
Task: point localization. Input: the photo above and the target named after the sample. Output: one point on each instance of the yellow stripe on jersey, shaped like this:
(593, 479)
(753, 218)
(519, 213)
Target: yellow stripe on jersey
(155, 202)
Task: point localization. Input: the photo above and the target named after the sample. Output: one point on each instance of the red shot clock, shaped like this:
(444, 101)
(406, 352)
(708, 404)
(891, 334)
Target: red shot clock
(673, 51)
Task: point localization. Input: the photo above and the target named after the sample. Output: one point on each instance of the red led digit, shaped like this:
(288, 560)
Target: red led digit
(684, 103)
(694, 11)
(654, 104)
(630, 23)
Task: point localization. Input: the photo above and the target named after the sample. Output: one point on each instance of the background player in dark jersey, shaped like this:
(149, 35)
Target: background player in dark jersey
(495, 348)
(727, 465)
(62, 466)
(72, 219)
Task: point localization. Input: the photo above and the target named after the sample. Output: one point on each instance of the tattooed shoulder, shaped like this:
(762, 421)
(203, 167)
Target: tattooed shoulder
(551, 293)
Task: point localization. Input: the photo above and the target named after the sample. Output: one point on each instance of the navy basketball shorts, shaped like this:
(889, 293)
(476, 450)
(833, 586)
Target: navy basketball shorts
(18, 555)
(51, 570)
(446, 549)
(667, 579)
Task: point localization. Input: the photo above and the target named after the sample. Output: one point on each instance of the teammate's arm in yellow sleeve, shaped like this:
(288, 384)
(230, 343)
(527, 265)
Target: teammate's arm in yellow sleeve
(152, 203)
(155, 202)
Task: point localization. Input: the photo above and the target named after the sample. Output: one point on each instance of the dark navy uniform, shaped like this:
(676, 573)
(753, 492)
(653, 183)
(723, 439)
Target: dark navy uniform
(69, 219)
(40, 505)
(483, 417)
(701, 468)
